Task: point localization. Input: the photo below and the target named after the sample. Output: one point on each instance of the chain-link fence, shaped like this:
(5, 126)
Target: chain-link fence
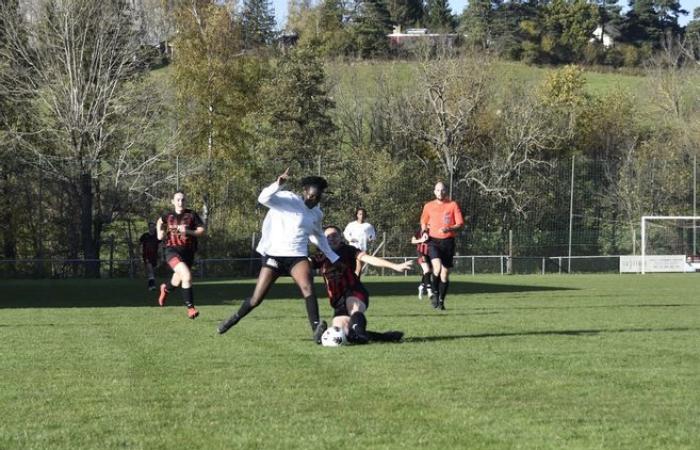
(571, 209)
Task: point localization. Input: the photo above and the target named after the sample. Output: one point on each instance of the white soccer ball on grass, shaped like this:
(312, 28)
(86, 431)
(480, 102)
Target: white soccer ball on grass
(334, 337)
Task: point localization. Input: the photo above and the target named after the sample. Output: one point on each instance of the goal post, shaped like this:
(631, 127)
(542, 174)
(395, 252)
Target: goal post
(672, 237)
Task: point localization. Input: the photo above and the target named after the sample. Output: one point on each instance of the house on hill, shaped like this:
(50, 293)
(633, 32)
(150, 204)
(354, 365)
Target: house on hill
(606, 37)
(413, 36)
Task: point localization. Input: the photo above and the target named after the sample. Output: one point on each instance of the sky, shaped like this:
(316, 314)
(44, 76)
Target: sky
(458, 6)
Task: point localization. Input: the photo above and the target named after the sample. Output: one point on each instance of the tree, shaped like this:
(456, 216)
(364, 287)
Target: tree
(649, 20)
(438, 16)
(370, 25)
(79, 75)
(258, 22)
(405, 12)
(476, 23)
(293, 122)
(217, 83)
(567, 29)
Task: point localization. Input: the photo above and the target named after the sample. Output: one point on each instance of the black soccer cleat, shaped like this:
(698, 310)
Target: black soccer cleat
(321, 327)
(434, 302)
(226, 324)
(441, 305)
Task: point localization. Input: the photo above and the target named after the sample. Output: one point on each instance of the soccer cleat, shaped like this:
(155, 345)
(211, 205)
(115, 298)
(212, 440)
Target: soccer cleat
(163, 295)
(321, 327)
(226, 324)
(192, 312)
(441, 305)
(151, 285)
(434, 300)
(393, 336)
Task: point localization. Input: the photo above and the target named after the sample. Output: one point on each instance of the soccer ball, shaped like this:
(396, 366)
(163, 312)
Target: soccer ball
(333, 337)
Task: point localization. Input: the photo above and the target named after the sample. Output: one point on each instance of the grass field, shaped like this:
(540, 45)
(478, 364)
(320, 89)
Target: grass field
(603, 361)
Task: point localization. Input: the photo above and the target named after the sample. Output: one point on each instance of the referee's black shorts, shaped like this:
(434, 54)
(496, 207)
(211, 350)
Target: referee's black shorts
(442, 249)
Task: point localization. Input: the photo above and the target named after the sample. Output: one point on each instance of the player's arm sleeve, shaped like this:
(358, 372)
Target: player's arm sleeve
(267, 196)
(424, 218)
(347, 234)
(319, 240)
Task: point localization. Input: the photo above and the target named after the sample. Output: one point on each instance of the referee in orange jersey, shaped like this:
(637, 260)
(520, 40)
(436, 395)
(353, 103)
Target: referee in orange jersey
(440, 220)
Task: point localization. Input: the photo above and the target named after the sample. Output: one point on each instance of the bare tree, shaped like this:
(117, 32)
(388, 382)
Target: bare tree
(442, 111)
(78, 66)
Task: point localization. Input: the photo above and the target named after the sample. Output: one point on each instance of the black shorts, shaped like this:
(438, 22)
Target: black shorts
(442, 249)
(175, 255)
(283, 265)
(339, 305)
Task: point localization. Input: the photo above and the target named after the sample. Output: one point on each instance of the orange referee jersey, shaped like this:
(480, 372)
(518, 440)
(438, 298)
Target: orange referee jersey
(440, 214)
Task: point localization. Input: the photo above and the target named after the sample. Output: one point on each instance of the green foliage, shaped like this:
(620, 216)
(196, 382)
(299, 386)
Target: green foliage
(258, 23)
(371, 23)
(292, 123)
(406, 13)
(438, 16)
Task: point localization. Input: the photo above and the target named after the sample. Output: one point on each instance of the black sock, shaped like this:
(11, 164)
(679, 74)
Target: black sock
(312, 311)
(243, 311)
(387, 336)
(358, 322)
(435, 283)
(188, 297)
(443, 289)
(425, 281)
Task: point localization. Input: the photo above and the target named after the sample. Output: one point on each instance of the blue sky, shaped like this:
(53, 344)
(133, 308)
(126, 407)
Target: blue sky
(458, 5)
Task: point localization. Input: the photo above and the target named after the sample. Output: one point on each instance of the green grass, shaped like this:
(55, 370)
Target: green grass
(602, 361)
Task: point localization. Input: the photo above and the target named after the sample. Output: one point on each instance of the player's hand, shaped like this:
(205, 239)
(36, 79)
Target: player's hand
(445, 229)
(407, 265)
(181, 229)
(283, 178)
(424, 236)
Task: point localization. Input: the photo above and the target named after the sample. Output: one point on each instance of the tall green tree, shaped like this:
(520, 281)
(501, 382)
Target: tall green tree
(371, 24)
(566, 29)
(258, 22)
(477, 22)
(438, 16)
(406, 13)
(293, 122)
(647, 21)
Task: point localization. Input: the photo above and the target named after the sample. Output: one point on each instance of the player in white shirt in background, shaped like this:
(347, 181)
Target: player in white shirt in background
(359, 234)
(291, 222)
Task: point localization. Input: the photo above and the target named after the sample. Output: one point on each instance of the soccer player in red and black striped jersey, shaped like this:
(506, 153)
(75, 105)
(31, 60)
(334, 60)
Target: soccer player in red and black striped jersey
(149, 250)
(420, 240)
(348, 296)
(180, 229)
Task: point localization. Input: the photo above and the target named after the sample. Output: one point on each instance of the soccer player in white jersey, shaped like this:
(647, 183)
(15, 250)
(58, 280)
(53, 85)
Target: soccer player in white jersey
(359, 234)
(291, 222)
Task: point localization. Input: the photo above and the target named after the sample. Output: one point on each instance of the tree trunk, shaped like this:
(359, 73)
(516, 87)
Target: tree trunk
(87, 239)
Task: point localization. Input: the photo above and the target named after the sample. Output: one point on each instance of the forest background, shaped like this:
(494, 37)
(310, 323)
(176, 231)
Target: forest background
(538, 129)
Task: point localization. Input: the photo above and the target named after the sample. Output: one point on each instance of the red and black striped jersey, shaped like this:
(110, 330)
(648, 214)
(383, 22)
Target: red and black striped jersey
(339, 277)
(173, 238)
(421, 248)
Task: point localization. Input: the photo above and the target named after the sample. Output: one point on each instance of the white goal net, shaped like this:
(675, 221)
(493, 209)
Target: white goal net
(669, 244)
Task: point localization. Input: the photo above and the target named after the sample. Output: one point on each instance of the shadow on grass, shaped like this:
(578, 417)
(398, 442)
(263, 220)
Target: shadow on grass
(133, 293)
(543, 333)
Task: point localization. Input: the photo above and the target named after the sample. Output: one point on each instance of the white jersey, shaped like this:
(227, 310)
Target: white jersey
(359, 234)
(289, 225)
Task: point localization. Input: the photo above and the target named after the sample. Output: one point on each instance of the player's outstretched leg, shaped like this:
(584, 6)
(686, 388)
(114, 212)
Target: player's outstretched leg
(387, 336)
(246, 307)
